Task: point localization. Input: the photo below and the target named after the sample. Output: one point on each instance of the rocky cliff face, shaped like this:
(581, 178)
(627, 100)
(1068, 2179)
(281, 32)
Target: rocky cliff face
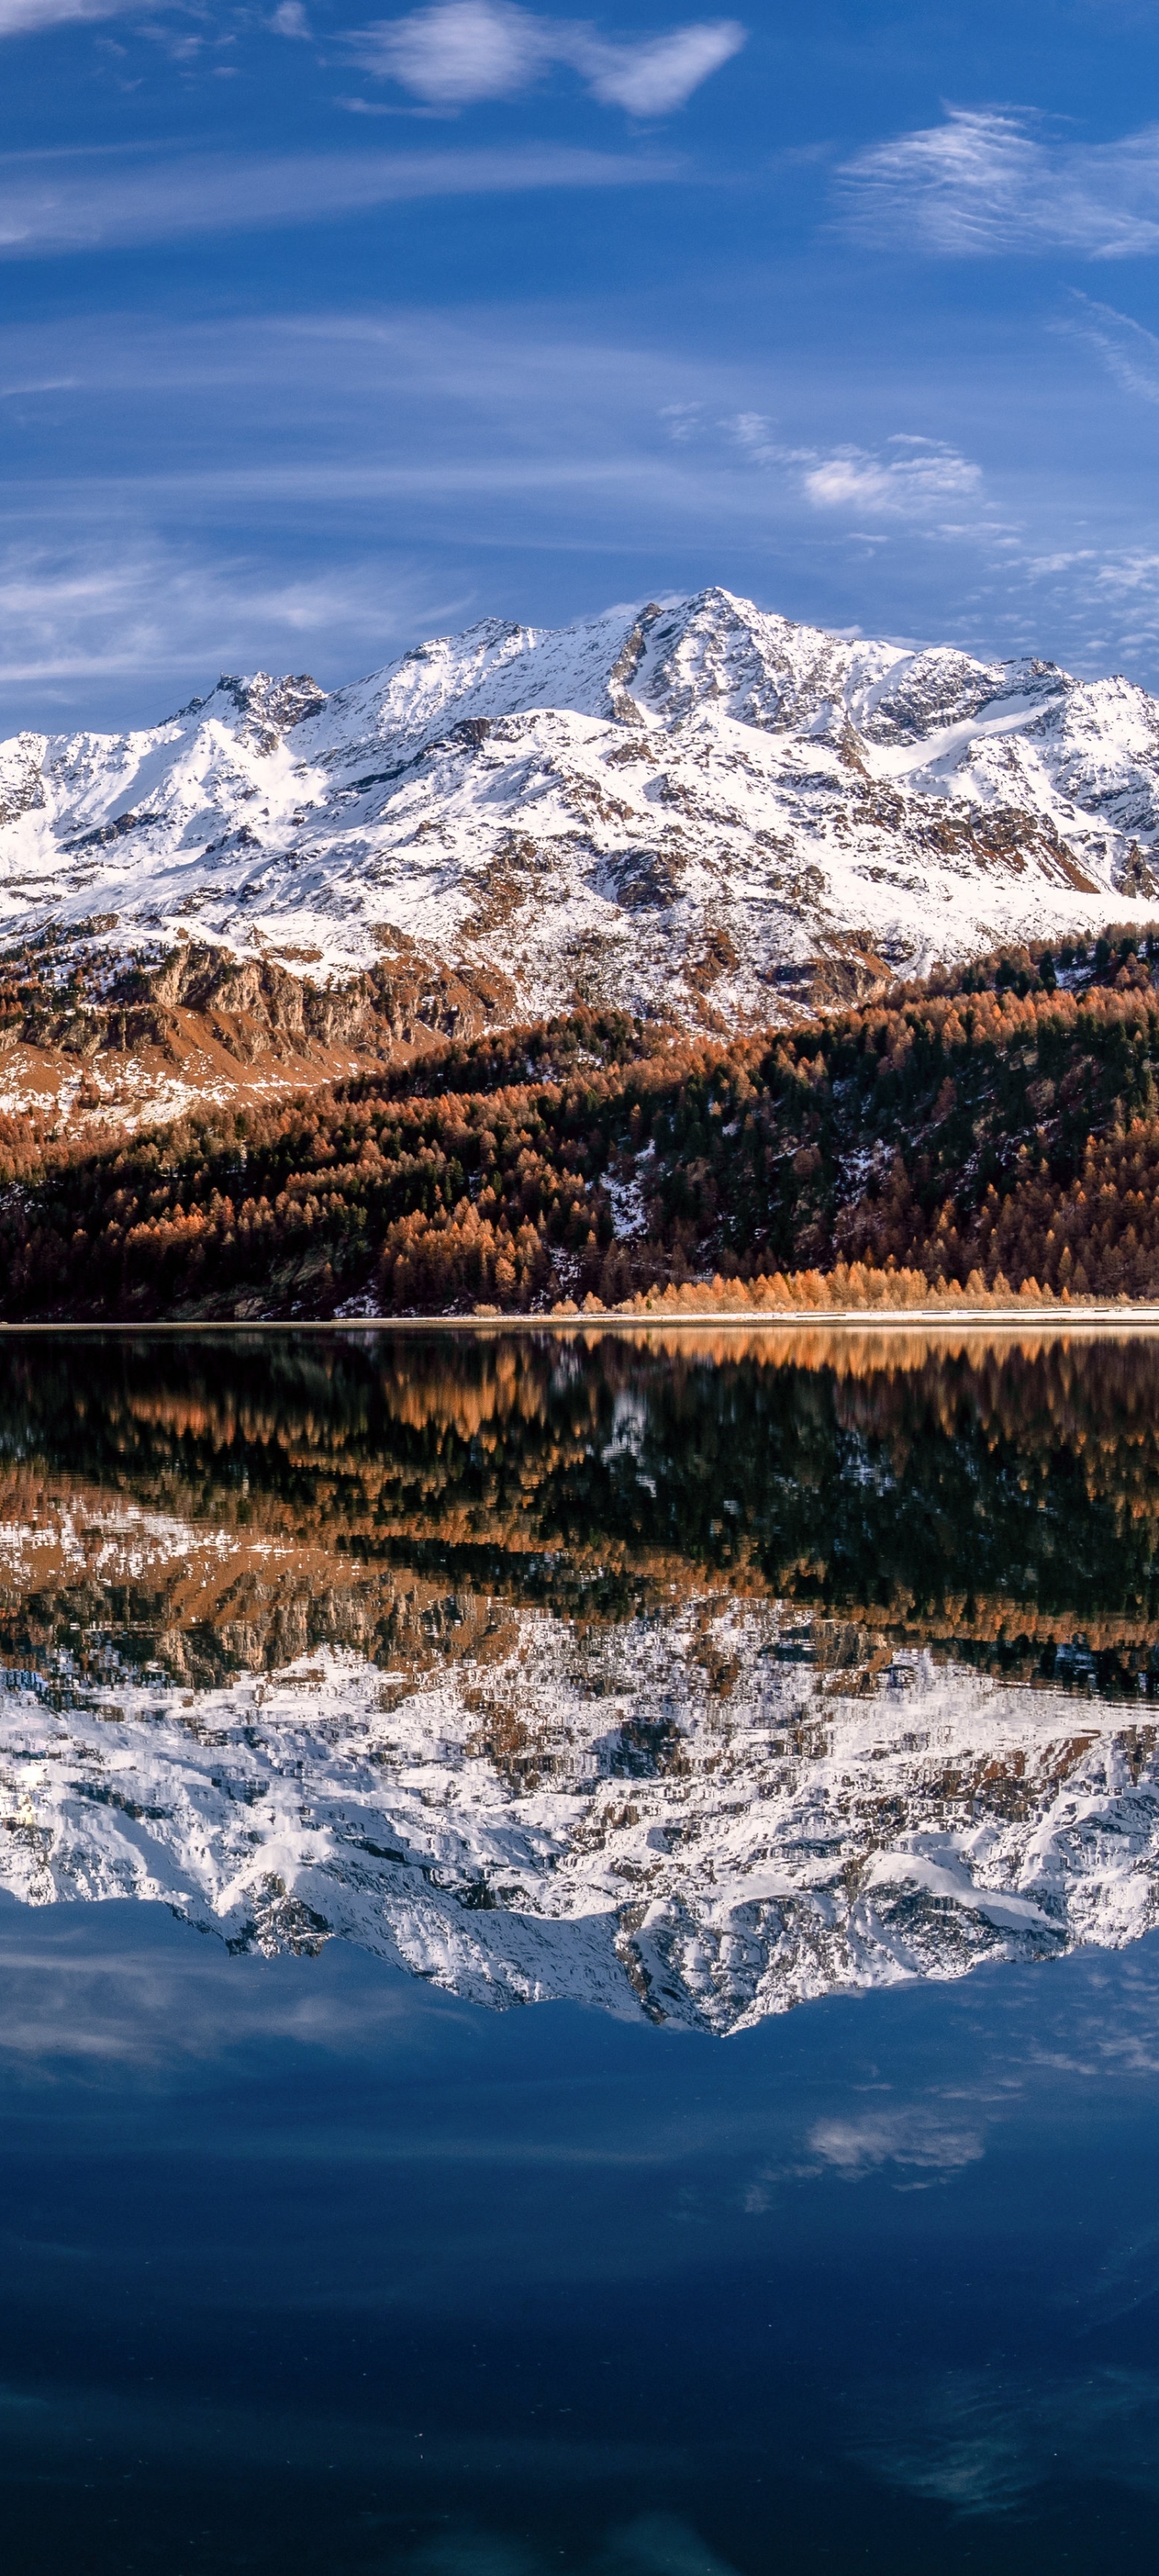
(694, 809)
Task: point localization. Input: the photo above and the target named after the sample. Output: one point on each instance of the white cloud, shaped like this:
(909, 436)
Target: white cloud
(989, 181)
(452, 56)
(462, 52)
(290, 20)
(88, 207)
(916, 2138)
(652, 79)
(915, 480)
(923, 476)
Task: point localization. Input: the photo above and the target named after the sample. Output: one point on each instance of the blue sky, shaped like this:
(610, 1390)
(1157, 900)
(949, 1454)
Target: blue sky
(322, 331)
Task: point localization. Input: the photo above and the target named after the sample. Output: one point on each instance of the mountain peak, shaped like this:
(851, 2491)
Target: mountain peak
(691, 806)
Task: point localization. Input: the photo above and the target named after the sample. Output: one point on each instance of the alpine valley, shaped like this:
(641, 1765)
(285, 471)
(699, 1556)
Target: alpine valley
(695, 812)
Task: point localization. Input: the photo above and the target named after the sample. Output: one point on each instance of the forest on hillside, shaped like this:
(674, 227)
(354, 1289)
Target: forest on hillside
(993, 1128)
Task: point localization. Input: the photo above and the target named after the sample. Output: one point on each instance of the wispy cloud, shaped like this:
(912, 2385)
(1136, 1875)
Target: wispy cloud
(755, 436)
(26, 17)
(980, 2443)
(1129, 353)
(134, 1989)
(463, 52)
(127, 604)
(523, 466)
(659, 2544)
(682, 420)
(50, 209)
(1107, 597)
(993, 180)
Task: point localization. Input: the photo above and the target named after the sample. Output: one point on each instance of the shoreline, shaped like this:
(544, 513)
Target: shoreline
(1121, 1320)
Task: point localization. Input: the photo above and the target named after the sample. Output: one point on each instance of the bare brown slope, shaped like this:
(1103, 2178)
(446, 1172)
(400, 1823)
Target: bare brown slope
(83, 1046)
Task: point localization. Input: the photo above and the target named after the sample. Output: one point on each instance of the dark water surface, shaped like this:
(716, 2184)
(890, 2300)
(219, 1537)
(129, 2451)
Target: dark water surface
(577, 1973)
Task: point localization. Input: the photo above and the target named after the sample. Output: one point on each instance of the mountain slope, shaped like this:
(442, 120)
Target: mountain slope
(695, 810)
(992, 1128)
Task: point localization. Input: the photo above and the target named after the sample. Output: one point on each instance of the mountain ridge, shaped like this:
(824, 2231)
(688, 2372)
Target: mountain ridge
(694, 810)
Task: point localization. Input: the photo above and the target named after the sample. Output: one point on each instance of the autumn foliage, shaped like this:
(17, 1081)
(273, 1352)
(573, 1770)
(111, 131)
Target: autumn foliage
(986, 1133)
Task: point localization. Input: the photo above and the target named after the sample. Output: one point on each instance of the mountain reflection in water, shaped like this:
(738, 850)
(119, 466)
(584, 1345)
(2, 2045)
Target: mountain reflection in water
(691, 1678)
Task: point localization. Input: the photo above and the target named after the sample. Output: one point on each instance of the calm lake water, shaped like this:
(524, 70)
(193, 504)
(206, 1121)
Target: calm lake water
(577, 1981)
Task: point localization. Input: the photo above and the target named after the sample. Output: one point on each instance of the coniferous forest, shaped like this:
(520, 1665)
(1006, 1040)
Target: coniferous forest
(993, 1130)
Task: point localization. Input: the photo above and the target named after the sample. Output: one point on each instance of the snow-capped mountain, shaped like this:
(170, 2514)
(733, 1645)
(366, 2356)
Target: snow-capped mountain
(706, 1816)
(695, 808)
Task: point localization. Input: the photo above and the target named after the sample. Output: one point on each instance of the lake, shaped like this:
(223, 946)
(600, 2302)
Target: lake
(578, 1981)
